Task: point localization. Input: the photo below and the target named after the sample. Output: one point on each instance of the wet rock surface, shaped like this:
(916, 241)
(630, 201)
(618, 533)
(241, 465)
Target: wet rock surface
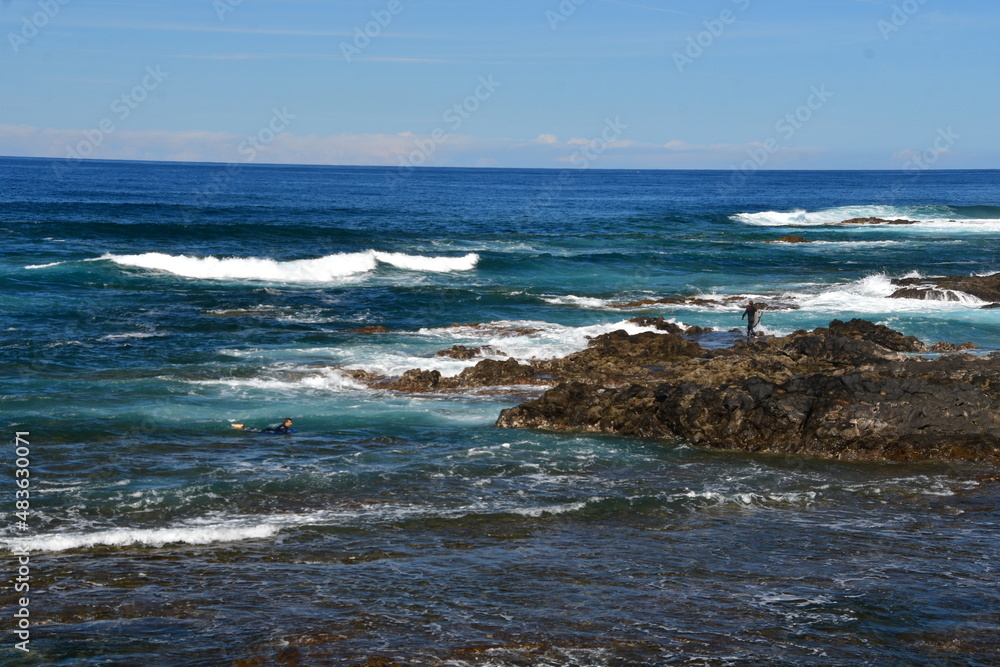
(850, 391)
(945, 288)
(853, 390)
(463, 352)
(790, 239)
(877, 221)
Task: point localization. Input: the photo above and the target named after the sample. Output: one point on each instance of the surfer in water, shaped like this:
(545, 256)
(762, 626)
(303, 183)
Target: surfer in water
(752, 315)
(285, 427)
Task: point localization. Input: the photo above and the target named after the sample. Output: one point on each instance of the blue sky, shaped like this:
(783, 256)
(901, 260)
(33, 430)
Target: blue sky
(772, 84)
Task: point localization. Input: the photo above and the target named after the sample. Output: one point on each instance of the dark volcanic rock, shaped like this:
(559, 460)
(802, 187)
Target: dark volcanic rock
(661, 324)
(849, 391)
(878, 334)
(790, 239)
(847, 416)
(378, 328)
(492, 373)
(463, 352)
(986, 288)
(618, 357)
(877, 221)
(845, 391)
(944, 346)
(418, 380)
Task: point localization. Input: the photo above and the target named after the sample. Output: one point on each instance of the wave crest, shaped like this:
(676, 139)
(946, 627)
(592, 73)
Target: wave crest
(965, 217)
(330, 268)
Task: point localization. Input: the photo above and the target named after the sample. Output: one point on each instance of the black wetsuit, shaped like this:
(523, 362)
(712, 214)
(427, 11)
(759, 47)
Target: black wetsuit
(752, 313)
(276, 429)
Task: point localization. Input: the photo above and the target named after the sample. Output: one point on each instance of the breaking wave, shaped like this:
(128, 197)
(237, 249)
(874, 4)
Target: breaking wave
(330, 268)
(956, 218)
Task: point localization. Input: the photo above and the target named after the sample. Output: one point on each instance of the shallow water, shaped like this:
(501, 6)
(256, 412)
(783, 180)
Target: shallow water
(408, 528)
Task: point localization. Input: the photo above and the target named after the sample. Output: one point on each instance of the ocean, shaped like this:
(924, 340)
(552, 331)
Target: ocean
(147, 306)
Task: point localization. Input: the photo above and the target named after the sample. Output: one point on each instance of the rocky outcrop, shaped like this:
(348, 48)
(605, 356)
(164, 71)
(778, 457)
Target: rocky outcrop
(378, 328)
(843, 416)
(852, 390)
(790, 239)
(944, 346)
(463, 352)
(487, 373)
(877, 221)
(878, 334)
(948, 288)
(661, 324)
(848, 391)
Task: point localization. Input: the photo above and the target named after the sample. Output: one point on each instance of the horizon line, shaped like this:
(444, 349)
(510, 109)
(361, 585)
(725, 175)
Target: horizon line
(432, 167)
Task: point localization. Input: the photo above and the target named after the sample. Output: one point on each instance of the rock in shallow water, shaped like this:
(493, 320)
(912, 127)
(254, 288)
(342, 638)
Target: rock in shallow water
(948, 288)
(845, 392)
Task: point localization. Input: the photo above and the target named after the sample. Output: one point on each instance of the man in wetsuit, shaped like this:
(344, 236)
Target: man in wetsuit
(752, 313)
(285, 428)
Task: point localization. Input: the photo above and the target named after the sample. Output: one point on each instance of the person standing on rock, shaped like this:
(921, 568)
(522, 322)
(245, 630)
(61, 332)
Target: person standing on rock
(752, 314)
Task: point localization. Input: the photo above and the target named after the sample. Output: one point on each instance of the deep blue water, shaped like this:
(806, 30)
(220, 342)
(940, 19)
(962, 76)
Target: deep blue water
(145, 306)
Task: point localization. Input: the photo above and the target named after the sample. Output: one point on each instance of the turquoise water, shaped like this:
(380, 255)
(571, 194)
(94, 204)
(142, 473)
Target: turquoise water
(146, 306)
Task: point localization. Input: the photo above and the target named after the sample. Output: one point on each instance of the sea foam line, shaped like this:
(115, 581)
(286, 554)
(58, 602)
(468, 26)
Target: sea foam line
(211, 531)
(154, 537)
(329, 268)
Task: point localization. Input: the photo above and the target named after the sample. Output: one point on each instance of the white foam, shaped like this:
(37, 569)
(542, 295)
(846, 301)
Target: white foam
(397, 363)
(155, 537)
(137, 334)
(927, 218)
(292, 380)
(871, 295)
(432, 264)
(214, 529)
(548, 341)
(748, 499)
(845, 244)
(579, 301)
(327, 269)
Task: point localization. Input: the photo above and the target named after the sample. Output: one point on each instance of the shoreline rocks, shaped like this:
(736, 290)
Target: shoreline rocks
(877, 221)
(949, 288)
(850, 391)
(790, 239)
